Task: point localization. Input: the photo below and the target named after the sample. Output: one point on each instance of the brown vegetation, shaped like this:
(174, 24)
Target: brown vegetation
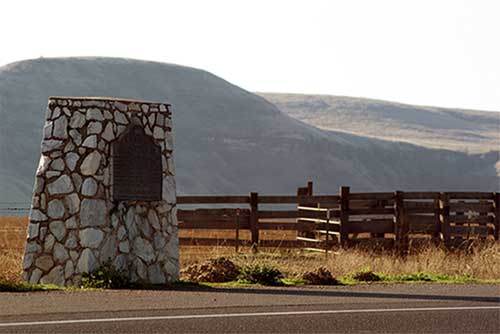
(482, 261)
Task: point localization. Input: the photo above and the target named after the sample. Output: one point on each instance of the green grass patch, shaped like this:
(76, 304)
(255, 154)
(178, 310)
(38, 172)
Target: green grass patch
(422, 277)
(231, 284)
(260, 274)
(6, 286)
(294, 281)
(367, 276)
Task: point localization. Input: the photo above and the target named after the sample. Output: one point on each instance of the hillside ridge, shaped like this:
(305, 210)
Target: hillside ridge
(227, 140)
(434, 127)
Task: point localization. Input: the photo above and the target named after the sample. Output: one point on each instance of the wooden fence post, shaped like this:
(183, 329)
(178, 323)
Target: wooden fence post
(254, 217)
(496, 197)
(305, 191)
(437, 222)
(401, 225)
(444, 205)
(237, 236)
(309, 188)
(396, 218)
(344, 215)
(327, 231)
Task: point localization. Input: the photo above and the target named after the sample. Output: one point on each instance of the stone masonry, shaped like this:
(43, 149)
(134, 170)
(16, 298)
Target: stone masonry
(75, 225)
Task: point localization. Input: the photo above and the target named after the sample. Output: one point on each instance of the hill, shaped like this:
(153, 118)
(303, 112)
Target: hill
(227, 140)
(454, 129)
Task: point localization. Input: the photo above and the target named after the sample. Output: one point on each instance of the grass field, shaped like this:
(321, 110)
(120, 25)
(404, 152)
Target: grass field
(482, 262)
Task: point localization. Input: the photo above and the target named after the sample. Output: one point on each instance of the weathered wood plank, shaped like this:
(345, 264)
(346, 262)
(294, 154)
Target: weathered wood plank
(311, 208)
(373, 242)
(436, 234)
(330, 232)
(463, 219)
(254, 217)
(476, 207)
(212, 199)
(308, 239)
(328, 227)
(305, 226)
(283, 243)
(421, 219)
(364, 203)
(333, 199)
(374, 226)
(444, 206)
(421, 195)
(359, 196)
(213, 225)
(401, 222)
(372, 211)
(318, 220)
(211, 242)
(195, 217)
(218, 212)
(470, 195)
(263, 214)
(243, 242)
(345, 211)
(469, 230)
(423, 227)
(422, 209)
(301, 192)
(421, 205)
(291, 226)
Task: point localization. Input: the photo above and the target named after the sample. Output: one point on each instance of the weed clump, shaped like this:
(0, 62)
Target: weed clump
(105, 277)
(366, 275)
(416, 277)
(215, 271)
(320, 276)
(260, 274)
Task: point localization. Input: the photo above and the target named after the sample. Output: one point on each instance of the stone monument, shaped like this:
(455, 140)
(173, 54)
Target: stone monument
(104, 193)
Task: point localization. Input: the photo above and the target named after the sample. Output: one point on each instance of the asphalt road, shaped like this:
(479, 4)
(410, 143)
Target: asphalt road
(427, 308)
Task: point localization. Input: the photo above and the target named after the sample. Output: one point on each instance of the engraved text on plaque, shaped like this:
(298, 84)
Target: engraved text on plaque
(137, 170)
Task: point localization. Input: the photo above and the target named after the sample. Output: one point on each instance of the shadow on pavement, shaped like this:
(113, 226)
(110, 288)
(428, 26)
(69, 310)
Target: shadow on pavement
(331, 293)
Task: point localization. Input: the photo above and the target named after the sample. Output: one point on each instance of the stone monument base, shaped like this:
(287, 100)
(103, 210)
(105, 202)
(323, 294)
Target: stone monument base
(90, 208)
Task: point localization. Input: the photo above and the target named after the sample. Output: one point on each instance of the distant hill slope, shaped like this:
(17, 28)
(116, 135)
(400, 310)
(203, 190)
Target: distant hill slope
(227, 140)
(454, 129)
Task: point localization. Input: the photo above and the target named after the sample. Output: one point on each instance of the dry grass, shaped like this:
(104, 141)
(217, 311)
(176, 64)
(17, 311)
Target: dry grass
(12, 241)
(483, 262)
(13, 232)
(10, 265)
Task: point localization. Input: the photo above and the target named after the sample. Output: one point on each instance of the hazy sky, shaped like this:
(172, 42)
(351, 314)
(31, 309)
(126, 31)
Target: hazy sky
(439, 52)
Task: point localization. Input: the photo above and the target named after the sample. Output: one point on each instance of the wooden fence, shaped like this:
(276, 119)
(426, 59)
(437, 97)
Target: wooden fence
(388, 219)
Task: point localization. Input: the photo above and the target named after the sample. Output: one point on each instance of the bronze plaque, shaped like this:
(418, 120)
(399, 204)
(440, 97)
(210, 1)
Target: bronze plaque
(137, 170)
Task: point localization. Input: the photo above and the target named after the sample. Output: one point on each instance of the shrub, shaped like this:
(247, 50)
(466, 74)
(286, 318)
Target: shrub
(261, 274)
(215, 270)
(105, 277)
(320, 276)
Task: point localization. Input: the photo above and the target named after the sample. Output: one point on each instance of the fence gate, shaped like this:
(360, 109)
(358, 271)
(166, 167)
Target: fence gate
(318, 224)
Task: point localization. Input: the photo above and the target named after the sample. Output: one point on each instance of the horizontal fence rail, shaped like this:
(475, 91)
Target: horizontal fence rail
(386, 219)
